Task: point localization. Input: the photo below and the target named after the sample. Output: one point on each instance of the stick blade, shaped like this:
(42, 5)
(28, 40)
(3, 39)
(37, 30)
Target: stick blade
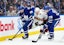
(9, 39)
(34, 41)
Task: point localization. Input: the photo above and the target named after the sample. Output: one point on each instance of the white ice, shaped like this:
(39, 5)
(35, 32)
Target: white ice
(58, 40)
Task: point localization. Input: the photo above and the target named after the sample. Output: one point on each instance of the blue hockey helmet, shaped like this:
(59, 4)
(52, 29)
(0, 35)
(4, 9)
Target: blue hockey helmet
(46, 7)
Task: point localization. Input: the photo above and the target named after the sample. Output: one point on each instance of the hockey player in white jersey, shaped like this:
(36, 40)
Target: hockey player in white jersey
(40, 17)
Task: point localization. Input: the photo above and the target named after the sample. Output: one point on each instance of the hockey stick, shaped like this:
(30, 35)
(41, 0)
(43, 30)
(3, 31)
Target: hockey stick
(39, 37)
(15, 35)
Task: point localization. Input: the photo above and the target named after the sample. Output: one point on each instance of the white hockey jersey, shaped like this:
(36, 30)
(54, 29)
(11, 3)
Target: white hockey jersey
(41, 15)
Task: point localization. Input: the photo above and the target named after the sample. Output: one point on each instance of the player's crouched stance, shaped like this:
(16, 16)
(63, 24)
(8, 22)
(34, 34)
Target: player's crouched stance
(53, 20)
(40, 18)
(29, 16)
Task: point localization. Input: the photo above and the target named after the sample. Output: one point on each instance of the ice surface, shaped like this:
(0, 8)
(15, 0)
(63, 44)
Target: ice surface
(58, 40)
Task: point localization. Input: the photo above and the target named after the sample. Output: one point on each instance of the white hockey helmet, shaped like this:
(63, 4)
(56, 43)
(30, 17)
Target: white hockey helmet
(37, 9)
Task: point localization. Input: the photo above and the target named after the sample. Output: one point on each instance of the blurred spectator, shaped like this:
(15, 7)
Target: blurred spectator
(14, 8)
(14, 2)
(37, 3)
(57, 4)
(32, 4)
(19, 5)
(1, 12)
(1, 4)
(62, 7)
(11, 11)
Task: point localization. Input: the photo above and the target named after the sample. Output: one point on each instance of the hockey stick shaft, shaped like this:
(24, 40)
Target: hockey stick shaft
(15, 35)
(39, 37)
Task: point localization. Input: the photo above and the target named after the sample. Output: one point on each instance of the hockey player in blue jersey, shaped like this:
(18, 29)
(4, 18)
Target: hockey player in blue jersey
(28, 16)
(20, 13)
(53, 20)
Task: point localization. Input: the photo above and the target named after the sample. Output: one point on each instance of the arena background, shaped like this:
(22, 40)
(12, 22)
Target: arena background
(9, 20)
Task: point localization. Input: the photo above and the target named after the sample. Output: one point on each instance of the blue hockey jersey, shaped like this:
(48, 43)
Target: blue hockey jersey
(28, 11)
(52, 15)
